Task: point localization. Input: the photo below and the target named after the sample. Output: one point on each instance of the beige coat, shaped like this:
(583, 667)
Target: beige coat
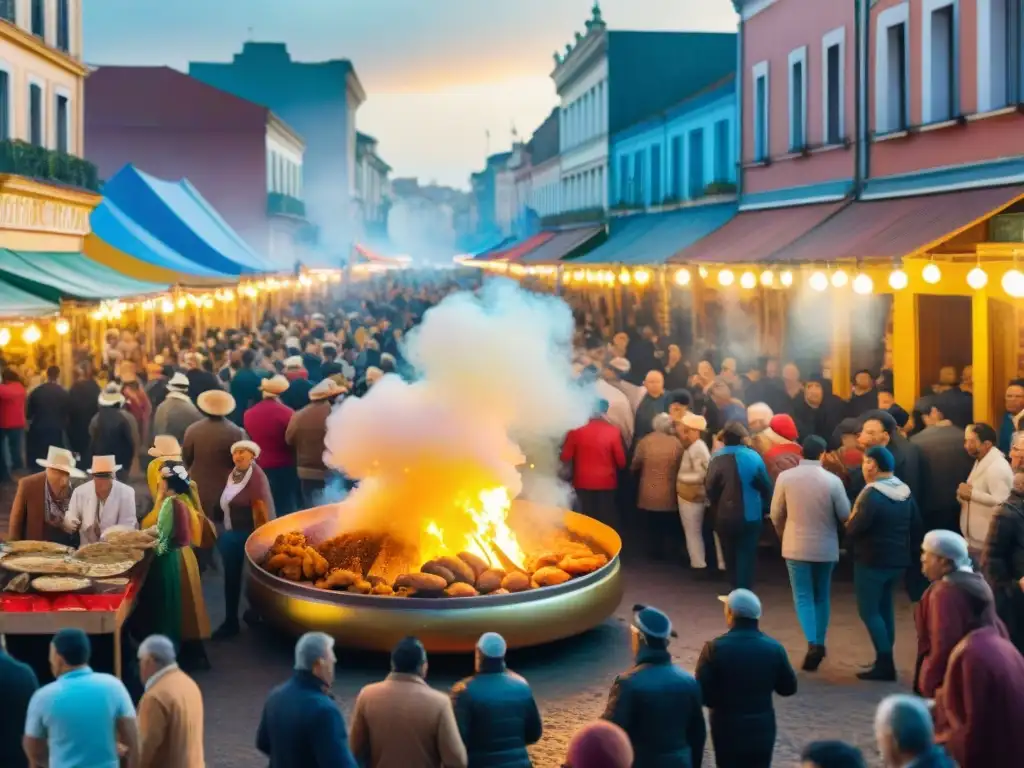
(402, 722)
(657, 457)
(171, 723)
(306, 433)
(206, 452)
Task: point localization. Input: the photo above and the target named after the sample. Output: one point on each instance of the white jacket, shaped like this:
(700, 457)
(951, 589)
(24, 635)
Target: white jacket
(693, 469)
(118, 509)
(991, 481)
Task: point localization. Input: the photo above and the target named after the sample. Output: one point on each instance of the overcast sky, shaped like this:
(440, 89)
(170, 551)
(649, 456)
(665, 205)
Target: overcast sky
(438, 74)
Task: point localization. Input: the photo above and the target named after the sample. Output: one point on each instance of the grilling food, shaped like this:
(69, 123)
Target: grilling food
(59, 584)
(18, 584)
(44, 564)
(35, 548)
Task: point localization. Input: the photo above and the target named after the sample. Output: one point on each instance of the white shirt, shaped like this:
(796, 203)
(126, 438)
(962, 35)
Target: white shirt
(85, 508)
(991, 481)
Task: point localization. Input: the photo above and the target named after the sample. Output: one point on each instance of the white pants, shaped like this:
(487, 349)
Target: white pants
(692, 514)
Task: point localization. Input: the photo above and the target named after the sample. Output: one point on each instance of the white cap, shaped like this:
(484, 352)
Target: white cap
(492, 645)
(619, 364)
(743, 604)
(949, 545)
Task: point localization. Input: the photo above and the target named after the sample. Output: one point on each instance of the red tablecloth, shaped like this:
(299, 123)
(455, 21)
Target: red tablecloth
(35, 603)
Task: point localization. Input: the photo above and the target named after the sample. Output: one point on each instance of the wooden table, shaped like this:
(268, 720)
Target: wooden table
(94, 614)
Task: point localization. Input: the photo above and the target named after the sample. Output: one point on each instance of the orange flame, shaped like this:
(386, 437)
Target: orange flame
(488, 514)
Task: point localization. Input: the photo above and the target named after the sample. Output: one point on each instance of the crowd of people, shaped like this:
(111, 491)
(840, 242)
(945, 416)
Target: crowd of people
(228, 430)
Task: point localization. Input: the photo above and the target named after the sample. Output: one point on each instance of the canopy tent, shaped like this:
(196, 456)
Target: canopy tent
(120, 243)
(183, 221)
(363, 255)
(651, 238)
(16, 303)
(56, 276)
(229, 231)
(487, 253)
(566, 244)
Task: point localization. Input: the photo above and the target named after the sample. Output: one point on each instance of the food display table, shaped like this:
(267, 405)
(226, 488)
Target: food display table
(95, 614)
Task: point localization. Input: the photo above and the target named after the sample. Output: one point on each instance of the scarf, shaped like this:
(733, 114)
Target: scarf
(235, 485)
(890, 487)
(55, 509)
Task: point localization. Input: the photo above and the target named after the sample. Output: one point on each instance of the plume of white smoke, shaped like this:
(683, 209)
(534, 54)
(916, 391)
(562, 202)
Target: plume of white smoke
(495, 385)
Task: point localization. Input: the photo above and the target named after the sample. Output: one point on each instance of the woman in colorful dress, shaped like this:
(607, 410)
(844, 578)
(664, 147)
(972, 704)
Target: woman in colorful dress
(247, 504)
(195, 623)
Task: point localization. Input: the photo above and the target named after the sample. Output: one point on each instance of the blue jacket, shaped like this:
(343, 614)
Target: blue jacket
(302, 727)
(659, 706)
(1006, 433)
(738, 486)
(18, 683)
(497, 717)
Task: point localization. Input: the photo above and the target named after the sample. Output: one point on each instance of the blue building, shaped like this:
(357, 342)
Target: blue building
(683, 154)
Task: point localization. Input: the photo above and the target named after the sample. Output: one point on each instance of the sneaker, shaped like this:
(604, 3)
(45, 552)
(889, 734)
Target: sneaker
(884, 670)
(815, 655)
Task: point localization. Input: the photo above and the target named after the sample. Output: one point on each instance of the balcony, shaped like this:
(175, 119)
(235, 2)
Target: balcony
(580, 216)
(21, 158)
(285, 205)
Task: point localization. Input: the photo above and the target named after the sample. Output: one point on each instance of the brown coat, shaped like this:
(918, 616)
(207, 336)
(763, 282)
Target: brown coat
(171, 723)
(401, 722)
(206, 452)
(658, 457)
(28, 512)
(305, 435)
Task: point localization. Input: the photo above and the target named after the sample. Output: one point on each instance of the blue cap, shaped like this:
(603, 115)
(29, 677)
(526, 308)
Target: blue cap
(652, 623)
(882, 456)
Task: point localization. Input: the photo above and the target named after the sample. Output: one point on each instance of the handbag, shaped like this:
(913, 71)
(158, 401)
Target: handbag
(690, 493)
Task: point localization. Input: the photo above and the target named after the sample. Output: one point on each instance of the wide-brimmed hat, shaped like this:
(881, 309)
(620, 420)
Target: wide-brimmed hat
(274, 386)
(293, 363)
(247, 445)
(165, 447)
(693, 421)
(111, 396)
(326, 389)
(216, 402)
(178, 381)
(104, 465)
(61, 460)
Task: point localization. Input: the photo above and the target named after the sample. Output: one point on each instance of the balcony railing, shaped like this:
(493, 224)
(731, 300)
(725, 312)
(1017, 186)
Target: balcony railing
(24, 159)
(285, 205)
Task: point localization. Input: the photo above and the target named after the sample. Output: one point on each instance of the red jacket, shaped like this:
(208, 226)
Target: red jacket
(12, 405)
(267, 422)
(596, 453)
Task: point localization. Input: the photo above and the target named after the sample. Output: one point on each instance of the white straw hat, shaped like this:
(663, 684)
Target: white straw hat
(247, 445)
(61, 460)
(166, 447)
(104, 465)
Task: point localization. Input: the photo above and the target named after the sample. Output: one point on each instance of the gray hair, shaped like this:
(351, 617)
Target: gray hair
(1017, 438)
(160, 649)
(663, 423)
(909, 722)
(310, 648)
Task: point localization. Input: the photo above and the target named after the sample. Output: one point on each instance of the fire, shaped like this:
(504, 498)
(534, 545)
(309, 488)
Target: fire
(489, 536)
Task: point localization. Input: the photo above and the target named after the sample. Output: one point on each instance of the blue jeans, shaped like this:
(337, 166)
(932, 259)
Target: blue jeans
(231, 545)
(873, 587)
(812, 585)
(11, 444)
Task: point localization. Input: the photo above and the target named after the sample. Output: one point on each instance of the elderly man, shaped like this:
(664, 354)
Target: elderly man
(1014, 403)
(759, 417)
(738, 672)
(615, 372)
(596, 455)
(657, 703)
(41, 503)
(905, 734)
(177, 412)
(987, 486)
(301, 725)
(102, 503)
(267, 425)
(299, 385)
(656, 461)
(949, 607)
(83, 718)
(306, 433)
(945, 463)
(171, 710)
(206, 450)
(495, 709)
(651, 404)
(693, 470)
(401, 722)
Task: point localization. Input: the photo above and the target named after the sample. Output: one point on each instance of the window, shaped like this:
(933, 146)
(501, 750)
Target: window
(39, 18)
(35, 114)
(63, 25)
(62, 116)
(892, 102)
(999, 53)
(760, 116)
(722, 170)
(656, 174)
(677, 167)
(834, 85)
(5, 105)
(8, 10)
(695, 185)
(939, 76)
(623, 179)
(797, 99)
(638, 178)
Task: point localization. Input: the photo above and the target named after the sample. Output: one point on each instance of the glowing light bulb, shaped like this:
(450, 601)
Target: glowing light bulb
(62, 327)
(818, 281)
(863, 284)
(682, 277)
(977, 278)
(642, 276)
(31, 335)
(748, 280)
(767, 278)
(786, 278)
(624, 277)
(726, 278)
(166, 307)
(703, 272)
(5, 337)
(898, 280)
(1013, 283)
(181, 303)
(578, 276)
(931, 273)
(840, 278)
